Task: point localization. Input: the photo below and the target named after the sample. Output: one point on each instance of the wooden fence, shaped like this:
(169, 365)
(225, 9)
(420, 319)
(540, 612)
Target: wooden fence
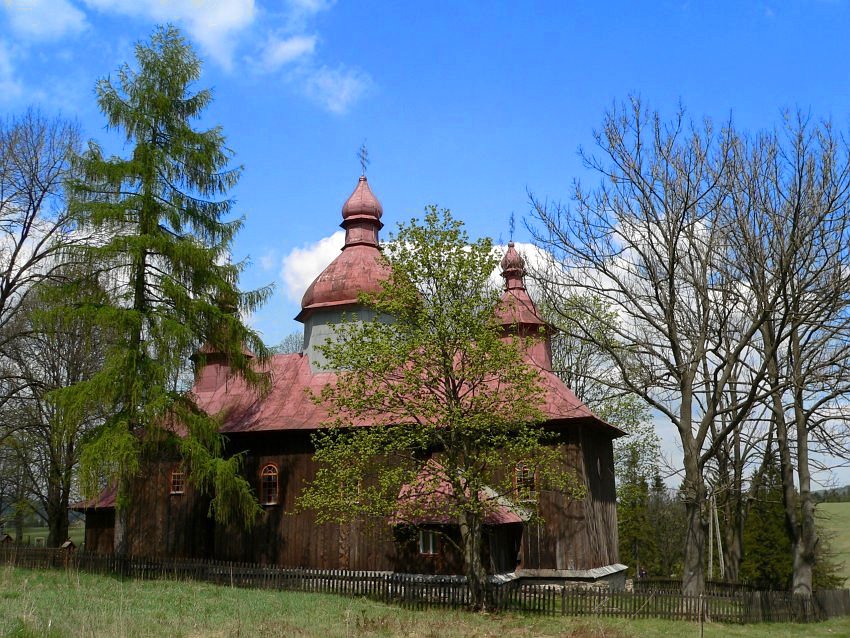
(731, 605)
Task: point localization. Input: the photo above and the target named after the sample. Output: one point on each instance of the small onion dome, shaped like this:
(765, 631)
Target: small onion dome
(362, 202)
(516, 307)
(513, 268)
(360, 268)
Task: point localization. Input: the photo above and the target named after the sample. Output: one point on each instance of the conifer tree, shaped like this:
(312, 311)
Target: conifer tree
(162, 221)
(768, 560)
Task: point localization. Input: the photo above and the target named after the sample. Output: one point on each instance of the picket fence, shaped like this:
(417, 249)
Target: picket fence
(414, 591)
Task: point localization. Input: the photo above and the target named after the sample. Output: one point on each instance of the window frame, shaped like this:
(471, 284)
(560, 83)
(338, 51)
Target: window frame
(525, 482)
(177, 481)
(269, 482)
(428, 542)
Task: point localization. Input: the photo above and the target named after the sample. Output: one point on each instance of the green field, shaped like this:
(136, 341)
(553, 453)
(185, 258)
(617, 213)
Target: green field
(835, 519)
(58, 603)
(31, 535)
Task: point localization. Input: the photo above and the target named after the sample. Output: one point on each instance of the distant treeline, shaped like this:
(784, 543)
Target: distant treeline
(834, 495)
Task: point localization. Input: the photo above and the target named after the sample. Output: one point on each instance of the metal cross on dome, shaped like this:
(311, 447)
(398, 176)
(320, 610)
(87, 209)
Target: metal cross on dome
(363, 155)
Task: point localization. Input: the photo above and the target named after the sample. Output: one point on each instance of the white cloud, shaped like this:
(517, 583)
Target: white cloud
(336, 89)
(267, 261)
(10, 86)
(214, 24)
(302, 265)
(300, 12)
(42, 19)
(311, 6)
(280, 51)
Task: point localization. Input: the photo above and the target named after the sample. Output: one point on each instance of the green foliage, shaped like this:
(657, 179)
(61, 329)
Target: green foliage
(637, 542)
(162, 245)
(829, 570)
(668, 523)
(768, 560)
(768, 556)
(439, 378)
(833, 520)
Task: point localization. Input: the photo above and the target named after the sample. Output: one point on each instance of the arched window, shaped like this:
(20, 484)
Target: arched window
(525, 482)
(269, 492)
(178, 481)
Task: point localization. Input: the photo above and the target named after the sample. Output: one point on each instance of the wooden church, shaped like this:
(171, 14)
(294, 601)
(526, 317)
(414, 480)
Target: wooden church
(576, 540)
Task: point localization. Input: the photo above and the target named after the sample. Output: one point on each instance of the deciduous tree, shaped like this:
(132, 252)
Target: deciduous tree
(436, 377)
(35, 154)
(649, 241)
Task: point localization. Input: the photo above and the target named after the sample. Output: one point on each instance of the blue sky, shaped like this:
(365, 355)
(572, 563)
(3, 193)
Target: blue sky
(462, 104)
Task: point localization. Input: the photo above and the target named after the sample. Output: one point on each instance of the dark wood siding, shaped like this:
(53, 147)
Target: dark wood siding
(576, 534)
(100, 531)
(573, 534)
(289, 538)
(165, 524)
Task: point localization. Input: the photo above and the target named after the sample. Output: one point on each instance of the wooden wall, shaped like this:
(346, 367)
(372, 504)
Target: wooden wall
(165, 524)
(290, 539)
(100, 531)
(573, 535)
(577, 534)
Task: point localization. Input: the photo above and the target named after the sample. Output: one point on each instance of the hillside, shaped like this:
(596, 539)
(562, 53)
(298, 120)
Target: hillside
(835, 519)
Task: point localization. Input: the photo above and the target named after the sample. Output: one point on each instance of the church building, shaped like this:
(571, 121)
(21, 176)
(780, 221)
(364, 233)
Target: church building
(574, 540)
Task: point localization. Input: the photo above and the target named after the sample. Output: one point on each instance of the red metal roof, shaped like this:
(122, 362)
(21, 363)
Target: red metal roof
(362, 202)
(516, 306)
(357, 269)
(428, 500)
(104, 500)
(288, 405)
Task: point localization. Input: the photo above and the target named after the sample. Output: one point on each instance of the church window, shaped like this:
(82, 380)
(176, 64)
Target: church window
(427, 542)
(269, 489)
(178, 481)
(525, 482)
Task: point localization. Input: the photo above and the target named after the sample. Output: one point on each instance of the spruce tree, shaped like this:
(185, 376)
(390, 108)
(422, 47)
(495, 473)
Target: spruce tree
(636, 541)
(768, 560)
(163, 224)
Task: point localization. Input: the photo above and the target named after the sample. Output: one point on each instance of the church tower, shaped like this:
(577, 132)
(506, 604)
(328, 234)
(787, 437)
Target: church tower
(518, 315)
(359, 268)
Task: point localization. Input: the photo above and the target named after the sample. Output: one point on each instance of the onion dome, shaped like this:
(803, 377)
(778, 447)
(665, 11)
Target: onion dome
(513, 268)
(360, 268)
(516, 308)
(362, 202)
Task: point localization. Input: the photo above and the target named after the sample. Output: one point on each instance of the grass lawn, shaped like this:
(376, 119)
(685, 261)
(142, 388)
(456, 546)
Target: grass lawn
(835, 518)
(58, 603)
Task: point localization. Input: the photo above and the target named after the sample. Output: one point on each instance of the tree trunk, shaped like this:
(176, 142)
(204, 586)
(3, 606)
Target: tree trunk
(476, 575)
(805, 542)
(693, 569)
(120, 544)
(57, 518)
(19, 523)
(693, 574)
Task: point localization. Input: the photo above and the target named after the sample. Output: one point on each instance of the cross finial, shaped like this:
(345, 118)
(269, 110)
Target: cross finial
(512, 226)
(363, 155)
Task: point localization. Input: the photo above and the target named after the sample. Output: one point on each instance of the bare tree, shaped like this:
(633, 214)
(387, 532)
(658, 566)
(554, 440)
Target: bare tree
(650, 241)
(54, 351)
(790, 209)
(34, 224)
(290, 344)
